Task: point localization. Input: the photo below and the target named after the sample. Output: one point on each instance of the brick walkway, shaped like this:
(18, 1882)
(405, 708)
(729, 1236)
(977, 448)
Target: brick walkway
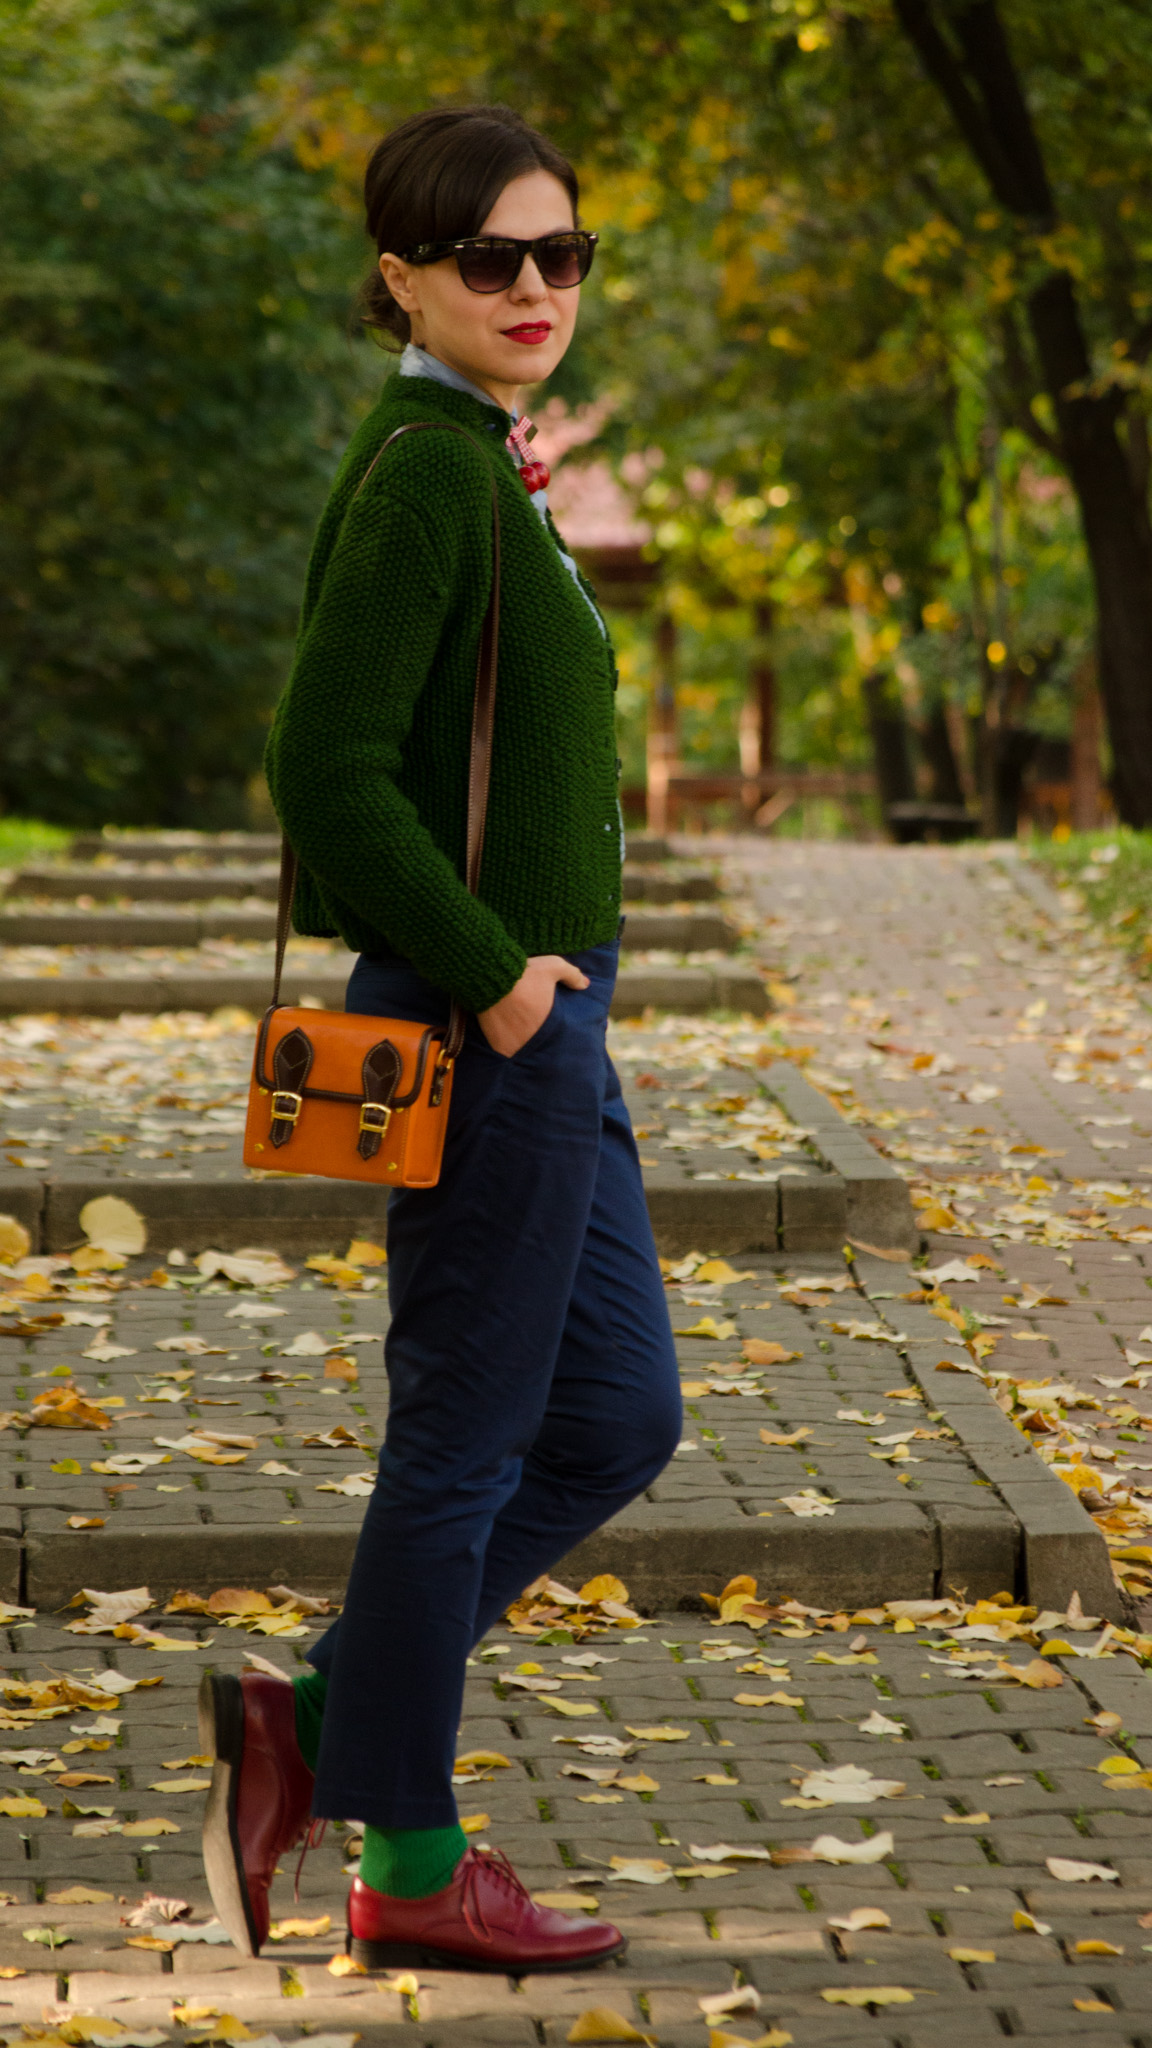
(919, 977)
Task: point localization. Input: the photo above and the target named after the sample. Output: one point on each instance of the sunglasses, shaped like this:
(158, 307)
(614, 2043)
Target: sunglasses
(492, 263)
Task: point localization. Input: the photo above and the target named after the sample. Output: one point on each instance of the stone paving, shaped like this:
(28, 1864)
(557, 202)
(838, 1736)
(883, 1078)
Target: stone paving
(814, 1442)
(994, 1031)
(1012, 1775)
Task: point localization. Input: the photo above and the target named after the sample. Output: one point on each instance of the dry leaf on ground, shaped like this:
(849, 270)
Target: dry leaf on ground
(859, 1919)
(601, 2023)
(830, 1849)
(285, 1930)
(1069, 1870)
(718, 2004)
(113, 1225)
(869, 1994)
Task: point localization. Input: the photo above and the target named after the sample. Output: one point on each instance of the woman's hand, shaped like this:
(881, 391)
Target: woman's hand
(512, 1021)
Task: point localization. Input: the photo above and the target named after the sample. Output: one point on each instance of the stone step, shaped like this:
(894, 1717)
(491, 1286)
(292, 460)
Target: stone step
(64, 881)
(837, 1187)
(691, 931)
(210, 846)
(687, 989)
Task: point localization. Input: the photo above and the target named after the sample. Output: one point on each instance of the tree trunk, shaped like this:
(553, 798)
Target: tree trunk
(895, 781)
(1087, 792)
(982, 88)
(936, 742)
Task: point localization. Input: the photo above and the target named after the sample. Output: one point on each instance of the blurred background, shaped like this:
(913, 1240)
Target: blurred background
(853, 439)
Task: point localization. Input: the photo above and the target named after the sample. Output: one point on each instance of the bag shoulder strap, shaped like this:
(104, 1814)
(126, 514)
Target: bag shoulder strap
(480, 745)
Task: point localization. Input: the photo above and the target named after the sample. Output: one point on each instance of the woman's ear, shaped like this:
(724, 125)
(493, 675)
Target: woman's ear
(399, 278)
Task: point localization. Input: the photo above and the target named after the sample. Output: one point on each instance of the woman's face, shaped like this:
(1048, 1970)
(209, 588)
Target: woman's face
(498, 340)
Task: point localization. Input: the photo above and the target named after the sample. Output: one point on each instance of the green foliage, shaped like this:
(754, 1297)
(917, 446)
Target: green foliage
(804, 281)
(1109, 876)
(175, 386)
(26, 838)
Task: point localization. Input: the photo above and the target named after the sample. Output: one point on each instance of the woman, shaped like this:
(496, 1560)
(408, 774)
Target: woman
(533, 1383)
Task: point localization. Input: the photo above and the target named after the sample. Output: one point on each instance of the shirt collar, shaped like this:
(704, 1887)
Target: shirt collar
(416, 362)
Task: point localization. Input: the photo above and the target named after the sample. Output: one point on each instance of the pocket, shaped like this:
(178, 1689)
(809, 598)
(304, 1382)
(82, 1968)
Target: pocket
(543, 1031)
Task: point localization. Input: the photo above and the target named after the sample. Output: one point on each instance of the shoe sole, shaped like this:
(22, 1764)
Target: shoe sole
(391, 1955)
(220, 1714)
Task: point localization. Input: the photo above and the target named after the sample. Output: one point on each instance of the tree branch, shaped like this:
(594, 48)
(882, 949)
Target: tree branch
(973, 119)
(981, 35)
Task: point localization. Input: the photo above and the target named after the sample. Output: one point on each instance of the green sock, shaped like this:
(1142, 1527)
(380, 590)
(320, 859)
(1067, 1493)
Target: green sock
(411, 1863)
(311, 1690)
(407, 1863)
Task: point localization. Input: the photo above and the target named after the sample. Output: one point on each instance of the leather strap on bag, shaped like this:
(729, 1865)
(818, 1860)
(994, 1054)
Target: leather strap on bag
(479, 755)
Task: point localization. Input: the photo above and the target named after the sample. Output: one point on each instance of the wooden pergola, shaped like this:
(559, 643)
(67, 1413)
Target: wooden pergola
(611, 545)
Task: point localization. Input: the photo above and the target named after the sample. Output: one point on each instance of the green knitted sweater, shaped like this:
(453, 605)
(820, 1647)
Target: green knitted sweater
(367, 760)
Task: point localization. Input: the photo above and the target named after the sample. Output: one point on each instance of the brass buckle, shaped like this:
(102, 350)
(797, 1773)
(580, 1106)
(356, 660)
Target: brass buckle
(286, 1106)
(375, 1116)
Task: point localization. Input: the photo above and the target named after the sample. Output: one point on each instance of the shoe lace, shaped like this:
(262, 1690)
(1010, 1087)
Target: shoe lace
(312, 1840)
(493, 1865)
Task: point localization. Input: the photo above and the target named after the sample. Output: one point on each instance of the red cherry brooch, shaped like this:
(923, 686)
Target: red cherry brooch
(535, 476)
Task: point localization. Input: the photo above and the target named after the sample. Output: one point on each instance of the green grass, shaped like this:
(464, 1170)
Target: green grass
(1111, 873)
(23, 838)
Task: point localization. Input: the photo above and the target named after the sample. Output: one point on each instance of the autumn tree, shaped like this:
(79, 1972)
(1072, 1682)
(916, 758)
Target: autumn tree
(175, 387)
(821, 219)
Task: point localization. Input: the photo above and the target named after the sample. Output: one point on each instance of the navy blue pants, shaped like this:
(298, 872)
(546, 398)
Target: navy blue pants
(533, 1385)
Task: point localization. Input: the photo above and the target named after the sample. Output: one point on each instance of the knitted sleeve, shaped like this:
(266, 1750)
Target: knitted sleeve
(363, 658)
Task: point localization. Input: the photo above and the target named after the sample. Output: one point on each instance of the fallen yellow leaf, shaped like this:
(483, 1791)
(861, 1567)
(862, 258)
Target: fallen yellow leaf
(600, 2023)
(972, 1955)
(567, 1902)
(475, 1823)
(15, 1242)
(1092, 2005)
(758, 1351)
(362, 1252)
(604, 1587)
(112, 1225)
(1098, 1948)
(284, 1930)
(870, 1994)
(967, 1820)
(659, 1734)
(934, 1216)
(346, 1966)
(778, 2037)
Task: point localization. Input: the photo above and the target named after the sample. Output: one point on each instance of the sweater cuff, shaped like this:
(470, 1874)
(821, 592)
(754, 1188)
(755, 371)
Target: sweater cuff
(484, 986)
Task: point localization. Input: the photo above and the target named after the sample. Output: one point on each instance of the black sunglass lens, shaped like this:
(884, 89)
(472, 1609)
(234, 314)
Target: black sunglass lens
(564, 260)
(488, 266)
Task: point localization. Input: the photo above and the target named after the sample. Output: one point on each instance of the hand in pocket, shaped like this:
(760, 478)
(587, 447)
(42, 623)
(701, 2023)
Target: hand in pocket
(517, 1017)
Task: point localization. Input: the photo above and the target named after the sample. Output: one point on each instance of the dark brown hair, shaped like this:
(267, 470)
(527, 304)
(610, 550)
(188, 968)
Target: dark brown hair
(436, 178)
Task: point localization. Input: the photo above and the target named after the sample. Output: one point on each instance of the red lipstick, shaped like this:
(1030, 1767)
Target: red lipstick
(531, 332)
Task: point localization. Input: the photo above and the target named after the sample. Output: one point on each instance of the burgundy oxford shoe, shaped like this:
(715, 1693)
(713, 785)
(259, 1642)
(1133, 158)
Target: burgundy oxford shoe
(260, 1800)
(483, 1920)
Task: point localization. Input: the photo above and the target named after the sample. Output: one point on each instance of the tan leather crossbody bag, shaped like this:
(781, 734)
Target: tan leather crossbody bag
(366, 1098)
